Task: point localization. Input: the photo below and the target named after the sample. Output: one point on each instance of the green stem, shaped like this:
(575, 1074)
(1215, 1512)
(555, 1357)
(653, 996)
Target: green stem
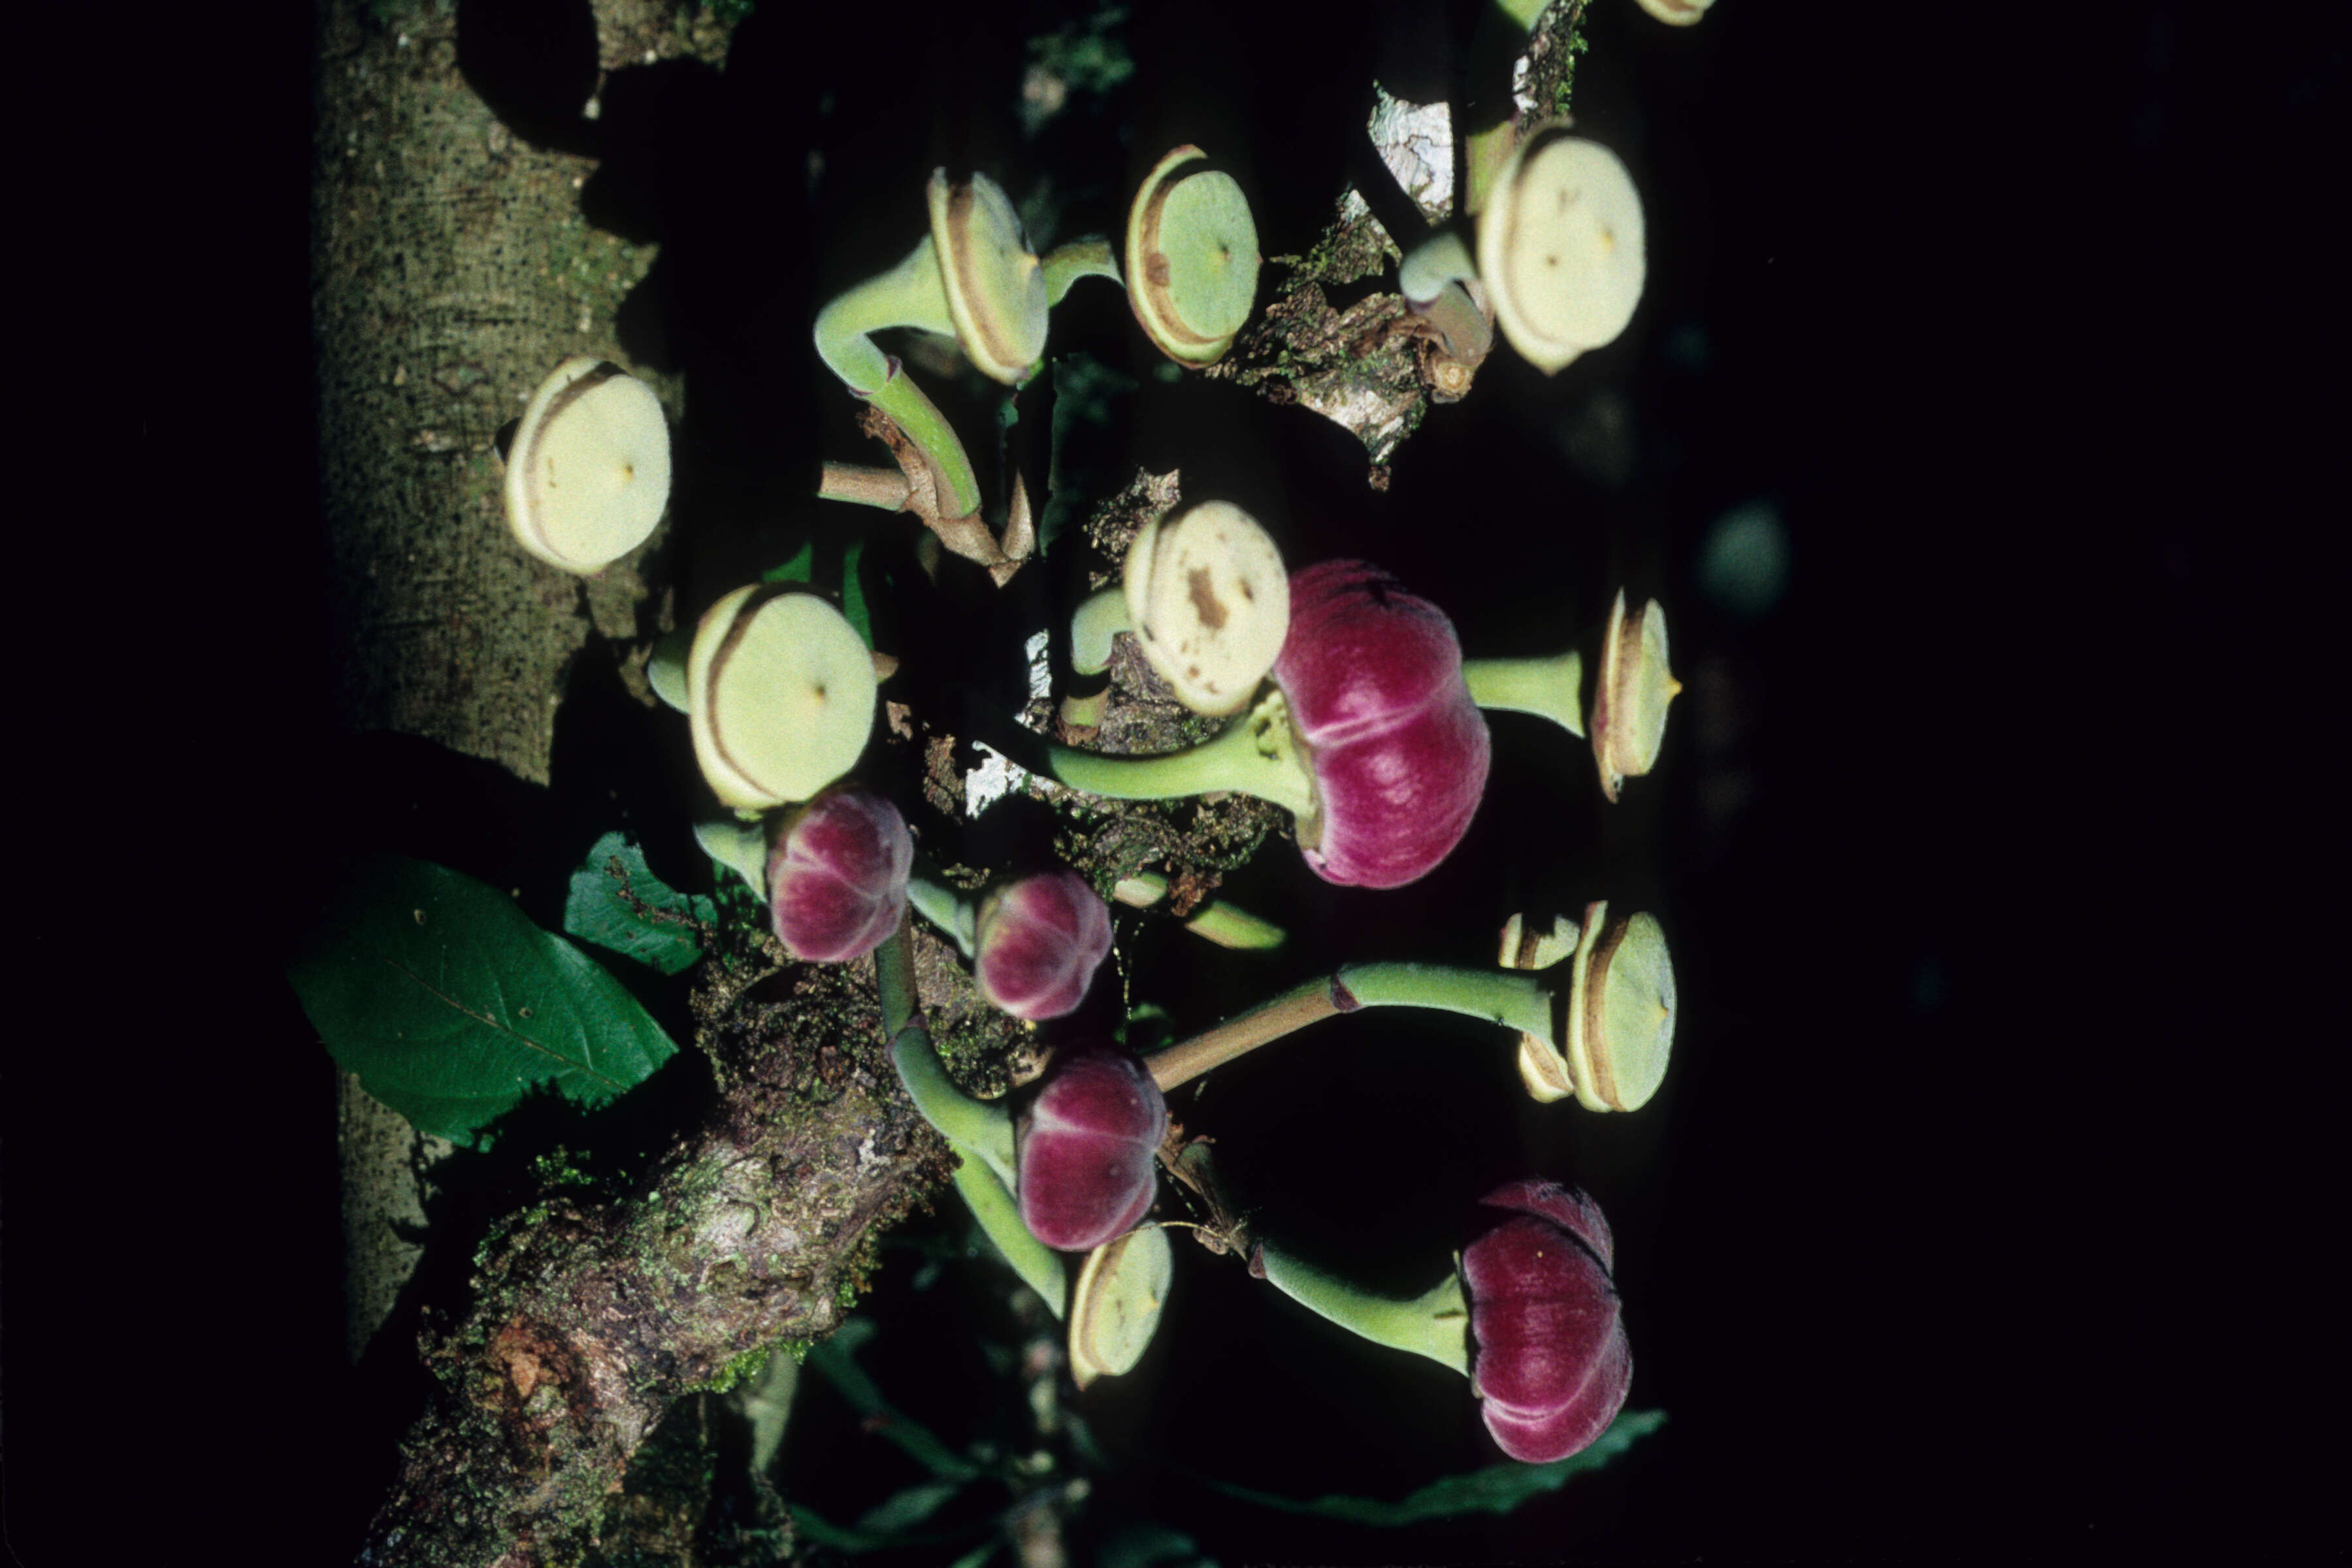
(1089, 258)
(1435, 1324)
(911, 294)
(1515, 999)
(1552, 688)
(1219, 921)
(945, 907)
(977, 1128)
(980, 1134)
(1440, 259)
(1038, 1265)
(1095, 623)
(1256, 755)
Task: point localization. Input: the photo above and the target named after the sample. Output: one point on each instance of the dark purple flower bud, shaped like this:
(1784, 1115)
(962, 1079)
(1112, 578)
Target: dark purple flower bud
(1549, 1357)
(1037, 943)
(1085, 1148)
(837, 879)
(1373, 676)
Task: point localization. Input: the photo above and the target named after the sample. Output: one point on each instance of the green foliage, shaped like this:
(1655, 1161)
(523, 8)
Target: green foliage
(1498, 1489)
(618, 903)
(836, 578)
(451, 1006)
(1089, 404)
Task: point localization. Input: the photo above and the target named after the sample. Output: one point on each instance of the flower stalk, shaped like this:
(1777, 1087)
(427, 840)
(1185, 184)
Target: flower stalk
(1436, 1323)
(1257, 755)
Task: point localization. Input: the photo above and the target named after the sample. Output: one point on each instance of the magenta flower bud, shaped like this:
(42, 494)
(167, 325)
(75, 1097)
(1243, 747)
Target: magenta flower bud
(1085, 1148)
(1037, 943)
(1373, 676)
(1549, 1357)
(837, 879)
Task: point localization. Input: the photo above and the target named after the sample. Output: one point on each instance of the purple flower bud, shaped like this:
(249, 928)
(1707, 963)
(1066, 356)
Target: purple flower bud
(1373, 676)
(1085, 1148)
(837, 879)
(1037, 943)
(1549, 1360)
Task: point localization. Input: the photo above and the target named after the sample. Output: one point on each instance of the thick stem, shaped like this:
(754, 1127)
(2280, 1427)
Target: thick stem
(1552, 688)
(945, 907)
(1095, 623)
(1089, 258)
(1435, 1324)
(1257, 756)
(1295, 1009)
(977, 1129)
(1217, 921)
(1039, 1265)
(1514, 1000)
(980, 1133)
(1441, 259)
(911, 294)
(861, 486)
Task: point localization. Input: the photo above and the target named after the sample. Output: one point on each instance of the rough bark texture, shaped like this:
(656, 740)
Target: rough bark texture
(592, 1319)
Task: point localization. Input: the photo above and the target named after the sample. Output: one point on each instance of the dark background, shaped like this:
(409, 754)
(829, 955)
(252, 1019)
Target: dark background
(1978, 1215)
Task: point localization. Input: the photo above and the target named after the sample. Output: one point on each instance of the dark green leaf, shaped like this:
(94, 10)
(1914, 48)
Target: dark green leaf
(1151, 1545)
(1498, 1489)
(450, 1006)
(617, 902)
(847, 592)
(904, 1510)
(835, 1359)
(846, 1538)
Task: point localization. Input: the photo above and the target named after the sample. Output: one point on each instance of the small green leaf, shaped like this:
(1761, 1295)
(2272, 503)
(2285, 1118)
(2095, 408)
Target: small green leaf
(846, 592)
(450, 1006)
(905, 1509)
(618, 903)
(799, 569)
(1498, 1489)
(1151, 1545)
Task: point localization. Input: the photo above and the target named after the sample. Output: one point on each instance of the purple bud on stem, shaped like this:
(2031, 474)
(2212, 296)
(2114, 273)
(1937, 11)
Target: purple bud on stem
(1037, 943)
(1373, 676)
(1084, 1148)
(837, 878)
(1549, 1359)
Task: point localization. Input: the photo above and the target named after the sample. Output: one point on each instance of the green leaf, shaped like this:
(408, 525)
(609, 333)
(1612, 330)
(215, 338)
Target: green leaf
(835, 1359)
(904, 1510)
(450, 1006)
(1498, 1489)
(650, 921)
(847, 1537)
(845, 591)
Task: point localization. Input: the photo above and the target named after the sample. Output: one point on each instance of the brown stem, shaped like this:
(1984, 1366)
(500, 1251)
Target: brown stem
(860, 486)
(1295, 1009)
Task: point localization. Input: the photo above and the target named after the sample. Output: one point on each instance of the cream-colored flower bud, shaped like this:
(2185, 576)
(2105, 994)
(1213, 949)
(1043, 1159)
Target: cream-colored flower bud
(1191, 257)
(1561, 249)
(1629, 698)
(780, 695)
(1543, 1068)
(1621, 1011)
(1209, 603)
(588, 472)
(1115, 1304)
(1677, 12)
(996, 288)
